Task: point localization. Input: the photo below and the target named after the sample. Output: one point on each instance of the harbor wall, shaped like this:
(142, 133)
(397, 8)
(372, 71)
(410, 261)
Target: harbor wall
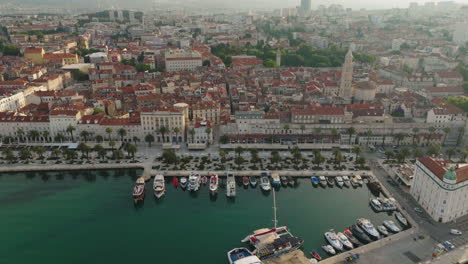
(69, 167)
(298, 173)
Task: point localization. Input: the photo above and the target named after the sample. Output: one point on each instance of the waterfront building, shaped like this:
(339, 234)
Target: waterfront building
(446, 116)
(321, 115)
(201, 127)
(206, 110)
(441, 188)
(153, 119)
(60, 120)
(182, 60)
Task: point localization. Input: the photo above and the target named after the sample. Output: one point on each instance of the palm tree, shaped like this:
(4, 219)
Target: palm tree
(192, 134)
(149, 139)
(163, 131)
(40, 150)
(109, 132)
(464, 153)
(222, 154)
(431, 132)
(338, 156)
(239, 150)
(135, 140)
(318, 158)
(254, 156)
(101, 152)
(8, 154)
(112, 144)
(176, 131)
(59, 138)
(433, 150)
(70, 130)
(399, 137)
(450, 152)
(350, 131)
(25, 154)
(415, 132)
(446, 131)
(334, 133)
(46, 135)
(318, 130)
(34, 134)
(70, 154)
(122, 133)
(461, 132)
(286, 128)
(132, 149)
(302, 129)
(208, 133)
(417, 153)
(389, 154)
(56, 153)
(296, 153)
(20, 134)
(356, 150)
(275, 157)
(99, 138)
(84, 149)
(84, 134)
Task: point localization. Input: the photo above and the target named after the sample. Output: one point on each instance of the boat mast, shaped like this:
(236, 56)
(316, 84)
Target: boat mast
(275, 221)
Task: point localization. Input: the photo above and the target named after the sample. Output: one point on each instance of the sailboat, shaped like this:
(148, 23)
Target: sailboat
(272, 242)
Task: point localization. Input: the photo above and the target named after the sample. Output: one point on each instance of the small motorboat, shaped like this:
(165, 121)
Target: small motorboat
(315, 181)
(230, 186)
(275, 180)
(245, 181)
(388, 204)
(194, 181)
(344, 240)
(382, 230)
(329, 249)
(359, 180)
(139, 190)
(354, 182)
(284, 181)
(391, 226)
(401, 219)
(376, 205)
(253, 181)
(242, 256)
(350, 237)
(330, 181)
(291, 181)
(333, 239)
(358, 233)
(265, 183)
(323, 181)
(339, 181)
(214, 182)
(346, 181)
(204, 180)
(183, 182)
(159, 187)
(315, 254)
(369, 228)
(175, 181)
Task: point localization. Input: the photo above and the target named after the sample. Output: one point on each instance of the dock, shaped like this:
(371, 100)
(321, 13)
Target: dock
(293, 257)
(291, 173)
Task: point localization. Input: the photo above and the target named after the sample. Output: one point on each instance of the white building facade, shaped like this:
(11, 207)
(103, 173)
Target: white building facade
(182, 60)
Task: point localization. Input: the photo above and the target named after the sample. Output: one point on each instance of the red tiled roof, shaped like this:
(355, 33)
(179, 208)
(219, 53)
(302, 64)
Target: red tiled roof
(320, 110)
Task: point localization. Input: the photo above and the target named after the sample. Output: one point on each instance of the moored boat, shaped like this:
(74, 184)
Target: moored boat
(204, 180)
(275, 180)
(376, 205)
(214, 182)
(330, 181)
(291, 181)
(346, 181)
(175, 181)
(369, 228)
(354, 182)
(359, 180)
(315, 254)
(329, 249)
(391, 226)
(230, 186)
(358, 233)
(350, 237)
(159, 186)
(388, 204)
(382, 230)
(183, 182)
(139, 190)
(333, 239)
(401, 219)
(193, 182)
(284, 181)
(323, 181)
(344, 240)
(315, 181)
(245, 181)
(265, 183)
(242, 256)
(253, 181)
(339, 181)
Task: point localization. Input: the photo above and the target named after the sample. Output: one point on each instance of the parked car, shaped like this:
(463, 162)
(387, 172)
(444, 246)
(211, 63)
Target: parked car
(448, 245)
(418, 210)
(456, 232)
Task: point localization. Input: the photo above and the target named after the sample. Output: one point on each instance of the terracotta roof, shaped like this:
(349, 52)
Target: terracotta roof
(33, 50)
(445, 89)
(320, 110)
(447, 109)
(439, 168)
(450, 75)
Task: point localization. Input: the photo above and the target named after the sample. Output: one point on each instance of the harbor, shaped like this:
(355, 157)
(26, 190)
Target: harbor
(199, 218)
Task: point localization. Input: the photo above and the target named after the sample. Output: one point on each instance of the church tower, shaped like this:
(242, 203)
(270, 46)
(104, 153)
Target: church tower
(278, 57)
(347, 77)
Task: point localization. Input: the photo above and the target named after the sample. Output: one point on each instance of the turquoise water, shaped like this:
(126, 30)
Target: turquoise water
(89, 217)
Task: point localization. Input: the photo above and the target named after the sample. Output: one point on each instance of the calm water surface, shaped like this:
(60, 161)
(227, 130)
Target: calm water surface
(89, 217)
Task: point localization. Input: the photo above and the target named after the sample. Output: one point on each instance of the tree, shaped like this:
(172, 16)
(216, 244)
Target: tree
(254, 156)
(296, 153)
(56, 153)
(417, 153)
(446, 132)
(122, 133)
(25, 154)
(389, 154)
(357, 150)
(169, 156)
(431, 131)
(59, 138)
(132, 149)
(149, 139)
(10, 50)
(112, 144)
(98, 149)
(135, 140)
(338, 156)
(84, 134)
(302, 129)
(8, 154)
(40, 150)
(404, 153)
(70, 130)
(224, 139)
(433, 150)
(450, 152)
(361, 161)
(34, 135)
(415, 132)
(318, 158)
(222, 154)
(117, 154)
(176, 132)
(163, 130)
(84, 148)
(99, 138)
(399, 137)
(70, 154)
(239, 160)
(334, 133)
(239, 150)
(46, 135)
(275, 157)
(350, 131)
(142, 67)
(464, 153)
(20, 133)
(109, 132)
(286, 128)
(208, 133)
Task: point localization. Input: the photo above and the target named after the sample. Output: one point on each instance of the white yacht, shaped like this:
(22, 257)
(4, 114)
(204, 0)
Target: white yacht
(214, 182)
(333, 239)
(265, 183)
(159, 186)
(339, 181)
(391, 226)
(346, 181)
(376, 205)
(344, 240)
(401, 219)
(230, 185)
(242, 256)
(193, 182)
(323, 181)
(369, 228)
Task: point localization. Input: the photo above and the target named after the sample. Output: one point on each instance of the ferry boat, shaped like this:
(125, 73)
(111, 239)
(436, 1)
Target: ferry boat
(183, 182)
(290, 180)
(339, 181)
(253, 181)
(382, 230)
(214, 182)
(346, 181)
(159, 186)
(242, 256)
(284, 181)
(265, 183)
(329, 249)
(360, 234)
(275, 180)
(333, 239)
(272, 242)
(175, 181)
(391, 226)
(323, 181)
(245, 181)
(315, 181)
(401, 219)
(193, 182)
(139, 190)
(350, 237)
(344, 240)
(376, 205)
(230, 186)
(369, 228)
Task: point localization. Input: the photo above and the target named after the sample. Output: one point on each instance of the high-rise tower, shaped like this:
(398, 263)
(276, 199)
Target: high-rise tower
(278, 57)
(347, 77)
(305, 5)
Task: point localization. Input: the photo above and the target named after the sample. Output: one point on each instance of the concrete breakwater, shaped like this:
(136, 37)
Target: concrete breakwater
(292, 173)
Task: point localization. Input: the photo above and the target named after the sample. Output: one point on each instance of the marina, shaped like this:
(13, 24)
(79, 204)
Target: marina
(307, 210)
